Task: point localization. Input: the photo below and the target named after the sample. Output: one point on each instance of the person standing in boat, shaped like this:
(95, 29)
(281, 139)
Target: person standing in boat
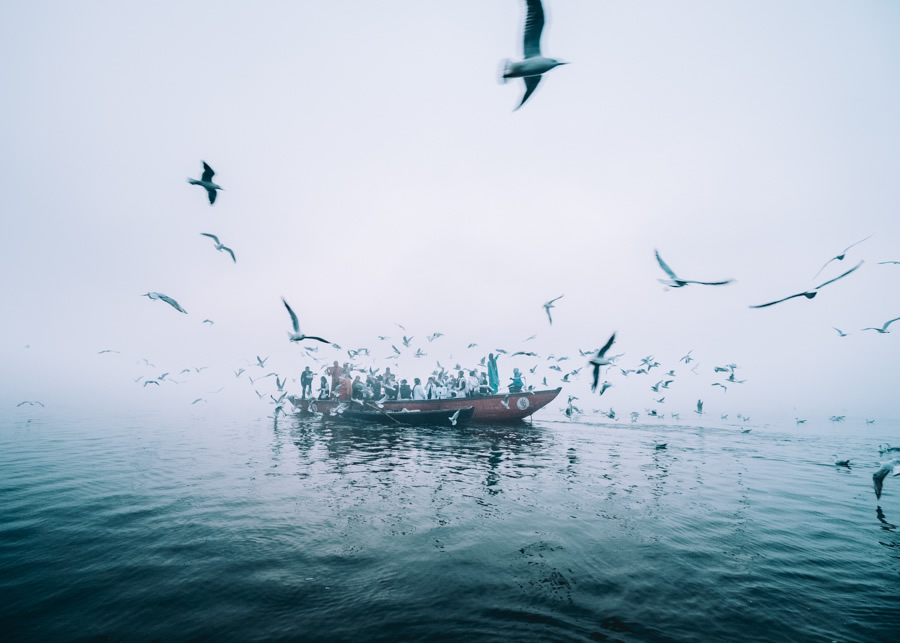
(390, 384)
(431, 388)
(335, 371)
(517, 382)
(405, 392)
(473, 384)
(324, 393)
(461, 389)
(306, 380)
(418, 392)
(345, 388)
(493, 374)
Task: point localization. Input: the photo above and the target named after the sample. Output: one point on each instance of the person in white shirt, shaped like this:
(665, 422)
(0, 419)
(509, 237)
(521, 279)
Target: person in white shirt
(418, 392)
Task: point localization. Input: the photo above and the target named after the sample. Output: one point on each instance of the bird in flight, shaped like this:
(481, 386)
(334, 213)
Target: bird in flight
(219, 245)
(533, 64)
(261, 362)
(675, 282)
(454, 417)
(841, 256)
(29, 403)
(884, 329)
(158, 295)
(108, 350)
(699, 410)
(207, 183)
(297, 336)
(600, 360)
(809, 294)
(892, 468)
(548, 305)
(839, 331)
(208, 321)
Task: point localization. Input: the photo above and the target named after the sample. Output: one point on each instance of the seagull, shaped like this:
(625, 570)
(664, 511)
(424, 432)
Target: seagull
(548, 305)
(810, 293)
(889, 262)
(841, 463)
(661, 445)
(297, 336)
(599, 360)
(219, 245)
(434, 336)
(604, 386)
(534, 64)
(261, 362)
(840, 257)
(746, 430)
(165, 298)
(886, 448)
(884, 329)
(238, 372)
(799, 421)
(505, 402)
(675, 282)
(108, 350)
(199, 399)
(150, 382)
(699, 410)
(206, 182)
(687, 359)
(840, 332)
(892, 468)
(724, 388)
(30, 403)
(454, 417)
(208, 321)
(407, 340)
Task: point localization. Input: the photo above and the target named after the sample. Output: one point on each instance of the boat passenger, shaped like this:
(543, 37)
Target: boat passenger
(335, 371)
(390, 385)
(418, 392)
(306, 381)
(431, 388)
(461, 388)
(323, 388)
(493, 374)
(517, 382)
(375, 384)
(405, 393)
(484, 386)
(472, 383)
(358, 389)
(345, 389)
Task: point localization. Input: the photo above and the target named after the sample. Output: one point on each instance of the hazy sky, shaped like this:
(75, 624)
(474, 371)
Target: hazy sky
(375, 173)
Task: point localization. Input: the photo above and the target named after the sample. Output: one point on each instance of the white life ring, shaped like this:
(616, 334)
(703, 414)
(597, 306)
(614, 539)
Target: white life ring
(522, 403)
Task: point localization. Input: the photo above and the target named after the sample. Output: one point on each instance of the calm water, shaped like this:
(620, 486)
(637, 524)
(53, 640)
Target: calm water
(240, 530)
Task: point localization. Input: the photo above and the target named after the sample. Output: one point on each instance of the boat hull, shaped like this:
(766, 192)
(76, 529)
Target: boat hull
(411, 418)
(487, 409)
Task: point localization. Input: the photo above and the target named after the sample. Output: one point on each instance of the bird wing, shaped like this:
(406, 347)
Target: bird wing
(172, 303)
(211, 236)
(664, 266)
(547, 308)
(231, 252)
(318, 339)
(208, 172)
(710, 283)
(808, 295)
(294, 322)
(888, 323)
(212, 196)
(825, 266)
(855, 244)
(831, 281)
(609, 343)
(531, 83)
(534, 25)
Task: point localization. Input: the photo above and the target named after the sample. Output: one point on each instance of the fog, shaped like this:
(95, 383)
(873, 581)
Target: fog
(374, 173)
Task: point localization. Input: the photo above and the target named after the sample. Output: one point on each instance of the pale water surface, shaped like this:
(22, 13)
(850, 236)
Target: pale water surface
(234, 529)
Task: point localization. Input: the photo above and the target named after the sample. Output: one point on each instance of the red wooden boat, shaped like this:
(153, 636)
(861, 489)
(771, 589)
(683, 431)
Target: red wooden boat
(504, 407)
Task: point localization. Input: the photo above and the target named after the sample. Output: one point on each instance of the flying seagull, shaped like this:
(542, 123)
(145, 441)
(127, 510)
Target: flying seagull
(675, 282)
(599, 360)
(810, 293)
(533, 64)
(454, 417)
(165, 298)
(208, 321)
(549, 304)
(840, 257)
(884, 329)
(219, 245)
(108, 350)
(699, 410)
(29, 403)
(206, 182)
(297, 336)
(839, 331)
(892, 467)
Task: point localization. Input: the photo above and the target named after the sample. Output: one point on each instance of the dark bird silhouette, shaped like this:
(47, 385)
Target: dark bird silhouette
(884, 329)
(599, 360)
(297, 336)
(207, 183)
(810, 293)
(676, 282)
(840, 257)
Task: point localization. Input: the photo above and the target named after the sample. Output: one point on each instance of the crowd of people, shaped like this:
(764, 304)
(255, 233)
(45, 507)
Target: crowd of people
(345, 384)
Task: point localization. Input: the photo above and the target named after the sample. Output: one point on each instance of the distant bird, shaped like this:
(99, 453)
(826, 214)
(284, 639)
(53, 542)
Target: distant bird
(724, 388)
(687, 359)
(799, 421)
(454, 417)
(30, 403)
(841, 256)
(599, 360)
(888, 468)
(887, 448)
(534, 64)
(434, 336)
(199, 399)
(165, 298)
(548, 305)
(724, 416)
(840, 332)
(891, 262)
(505, 402)
(675, 282)
(868, 421)
(108, 350)
(297, 336)
(884, 329)
(407, 340)
(206, 182)
(603, 387)
(809, 294)
(746, 430)
(208, 321)
(841, 463)
(261, 362)
(699, 410)
(219, 245)
(661, 445)
(150, 382)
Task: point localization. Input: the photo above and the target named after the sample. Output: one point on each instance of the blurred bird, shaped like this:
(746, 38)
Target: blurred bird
(841, 463)
(840, 332)
(219, 245)
(454, 417)
(809, 294)
(165, 298)
(206, 182)
(841, 256)
(676, 282)
(599, 360)
(534, 64)
(884, 329)
(699, 410)
(888, 468)
(297, 336)
(548, 305)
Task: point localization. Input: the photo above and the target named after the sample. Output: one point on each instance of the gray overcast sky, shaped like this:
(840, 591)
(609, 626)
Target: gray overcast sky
(374, 173)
